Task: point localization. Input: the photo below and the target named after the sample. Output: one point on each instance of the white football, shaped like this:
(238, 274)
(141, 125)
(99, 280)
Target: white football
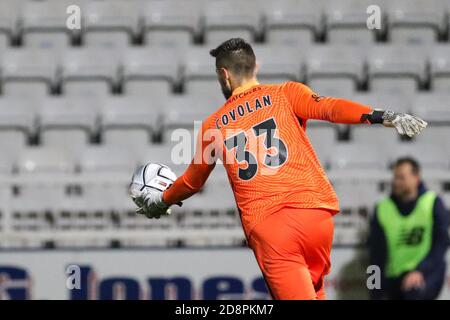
(151, 175)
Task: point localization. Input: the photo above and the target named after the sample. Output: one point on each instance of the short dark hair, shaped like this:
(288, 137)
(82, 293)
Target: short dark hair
(408, 160)
(235, 55)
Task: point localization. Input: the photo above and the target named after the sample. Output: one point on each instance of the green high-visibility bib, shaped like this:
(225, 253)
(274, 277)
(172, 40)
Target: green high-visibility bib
(408, 238)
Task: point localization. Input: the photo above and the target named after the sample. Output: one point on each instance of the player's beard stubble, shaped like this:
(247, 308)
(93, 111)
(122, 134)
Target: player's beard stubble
(226, 88)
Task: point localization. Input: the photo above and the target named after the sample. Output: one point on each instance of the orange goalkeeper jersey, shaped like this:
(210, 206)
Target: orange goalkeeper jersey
(260, 136)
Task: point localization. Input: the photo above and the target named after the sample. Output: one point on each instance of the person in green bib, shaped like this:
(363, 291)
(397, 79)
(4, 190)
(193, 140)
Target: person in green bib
(408, 237)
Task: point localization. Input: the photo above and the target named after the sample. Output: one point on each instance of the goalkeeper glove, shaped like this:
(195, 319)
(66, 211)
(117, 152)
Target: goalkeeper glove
(151, 204)
(402, 122)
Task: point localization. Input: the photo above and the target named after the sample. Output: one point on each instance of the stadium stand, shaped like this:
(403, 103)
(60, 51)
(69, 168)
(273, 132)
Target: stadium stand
(79, 109)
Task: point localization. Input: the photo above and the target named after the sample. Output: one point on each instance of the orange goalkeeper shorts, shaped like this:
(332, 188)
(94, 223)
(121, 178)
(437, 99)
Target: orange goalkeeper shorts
(292, 248)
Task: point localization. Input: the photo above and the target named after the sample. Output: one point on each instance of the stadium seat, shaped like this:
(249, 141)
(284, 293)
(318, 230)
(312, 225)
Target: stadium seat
(350, 156)
(171, 23)
(376, 136)
(415, 21)
(89, 71)
(28, 72)
(434, 108)
(334, 70)
(178, 116)
(384, 101)
(199, 76)
(226, 19)
(429, 156)
(9, 11)
(137, 140)
(12, 141)
(346, 22)
(322, 138)
(434, 135)
(292, 22)
(18, 113)
(150, 71)
(131, 114)
(396, 69)
(44, 160)
(439, 57)
(110, 24)
(169, 153)
(106, 159)
(44, 24)
(278, 64)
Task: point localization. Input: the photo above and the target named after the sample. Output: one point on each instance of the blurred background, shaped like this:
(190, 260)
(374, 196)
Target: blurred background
(89, 89)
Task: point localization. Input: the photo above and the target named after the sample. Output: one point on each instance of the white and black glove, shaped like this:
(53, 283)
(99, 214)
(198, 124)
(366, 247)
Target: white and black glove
(402, 122)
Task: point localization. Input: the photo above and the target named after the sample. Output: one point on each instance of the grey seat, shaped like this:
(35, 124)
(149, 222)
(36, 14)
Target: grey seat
(110, 24)
(134, 114)
(439, 57)
(199, 72)
(29, 72)
(9, 11)
(44, 161)
(396, 69)
(231, 19)
(106, 159)
(150, 71)
(89, 71)
(416, 22)
(335, 70)
(278, 64)
(348, 155)
(44, 24)
(434, 108)
(292, 22)
(68, 123)
(171, 23)
(18, 113)
(346, 21)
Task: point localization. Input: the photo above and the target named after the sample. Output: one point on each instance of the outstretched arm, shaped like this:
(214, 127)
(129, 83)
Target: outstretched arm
(306, 104)
(198, 171)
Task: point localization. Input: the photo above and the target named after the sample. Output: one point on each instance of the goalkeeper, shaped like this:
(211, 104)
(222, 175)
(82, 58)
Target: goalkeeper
(284, 198)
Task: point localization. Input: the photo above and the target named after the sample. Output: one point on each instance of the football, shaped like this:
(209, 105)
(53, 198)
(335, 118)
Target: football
(151, 175)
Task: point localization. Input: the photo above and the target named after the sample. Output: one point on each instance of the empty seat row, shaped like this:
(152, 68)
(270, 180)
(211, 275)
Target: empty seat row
(177, 22)
(157, 72)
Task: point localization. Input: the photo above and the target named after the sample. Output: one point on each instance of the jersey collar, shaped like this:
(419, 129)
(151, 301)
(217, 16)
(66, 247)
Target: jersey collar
(246, 86)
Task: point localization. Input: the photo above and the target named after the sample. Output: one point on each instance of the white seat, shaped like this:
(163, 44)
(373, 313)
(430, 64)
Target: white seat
(70, 140)
(28, 71)
(130, 113)
(12, 141)
(9, 11)
(43, 160)
(89, 71)
(429, 156)
(376, 136)
(396, 69)
(110, 24)
(230, 19)
(415, 21)
(150, 71)
(44, 24)
(136, 139)
(384, 101)
(69, 113)
(171, 23)
(434, 135)
(106, 159)
(17, 113)
(292, 22)
(348, 155)
(199, 72)
(347, 22)
(277, 63)
(439, 57)
(337, 62)
(434, 108)
(322, 138)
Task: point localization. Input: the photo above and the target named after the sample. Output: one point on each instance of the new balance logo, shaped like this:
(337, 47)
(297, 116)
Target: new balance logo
(411, 237)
